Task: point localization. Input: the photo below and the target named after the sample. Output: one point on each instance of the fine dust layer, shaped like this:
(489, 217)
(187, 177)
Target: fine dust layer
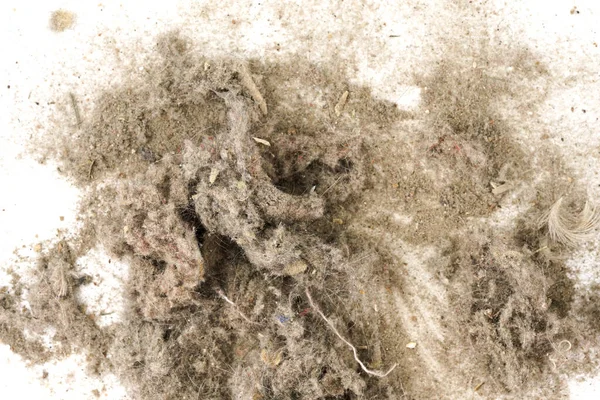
(282, 226)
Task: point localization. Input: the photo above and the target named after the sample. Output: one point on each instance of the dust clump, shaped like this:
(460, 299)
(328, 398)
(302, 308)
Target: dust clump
(495, 299)
(224, 233)
(290, 236)
(61, 20)
(52, 310)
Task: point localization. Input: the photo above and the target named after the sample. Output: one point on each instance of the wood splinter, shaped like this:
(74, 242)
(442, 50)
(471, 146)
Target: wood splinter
(76, 109)
(91, 169)
(339, 107)
(250, 86)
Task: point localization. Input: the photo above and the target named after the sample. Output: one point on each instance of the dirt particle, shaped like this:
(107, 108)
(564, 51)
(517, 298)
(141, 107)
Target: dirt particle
(61, 20)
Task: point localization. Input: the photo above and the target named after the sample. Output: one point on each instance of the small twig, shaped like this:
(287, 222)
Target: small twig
(222, 295)
(540, 249)
(76, 109)
(479, 386)
(339, 107)
(103, 314)
(91, 169)
(250, 86)
(334, 329)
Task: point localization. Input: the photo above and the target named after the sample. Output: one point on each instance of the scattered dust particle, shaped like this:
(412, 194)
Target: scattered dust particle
(338, 221)
(270, 359)
(96, 392)
(411, 345)
(257, 396)
(37, 248)
(261, 141)
(595, 44)
(213, 175)
(545, 136)
(249, 84)
(295, 268)
(44, 374)
(479, 386)
(75, 109)
(62, 218)
(339, 107)
(91, 169)
(60, 20)
(500, 189)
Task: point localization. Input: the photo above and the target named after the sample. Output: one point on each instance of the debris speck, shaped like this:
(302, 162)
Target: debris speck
(261, 141)
(214, 172)
(339, 107)
(61, 20)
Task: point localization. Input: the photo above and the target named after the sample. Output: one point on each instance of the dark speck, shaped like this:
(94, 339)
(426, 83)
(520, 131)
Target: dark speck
(147, 154)
(84, 280)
